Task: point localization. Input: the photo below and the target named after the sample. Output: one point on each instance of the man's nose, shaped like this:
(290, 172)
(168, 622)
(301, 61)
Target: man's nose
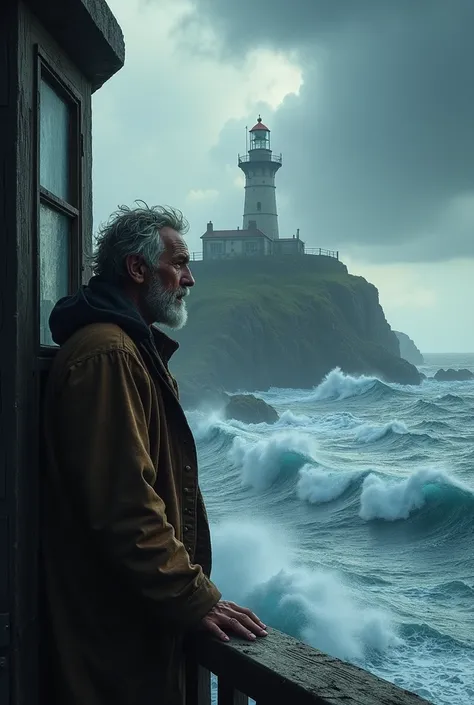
(187, 278)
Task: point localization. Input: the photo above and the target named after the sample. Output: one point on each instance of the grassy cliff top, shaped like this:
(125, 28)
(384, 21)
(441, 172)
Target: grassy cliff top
(270, 289)
(287, 266)
(276, 284)
(284, 322)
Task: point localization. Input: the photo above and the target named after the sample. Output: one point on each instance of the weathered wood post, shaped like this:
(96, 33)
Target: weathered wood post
(53, 55)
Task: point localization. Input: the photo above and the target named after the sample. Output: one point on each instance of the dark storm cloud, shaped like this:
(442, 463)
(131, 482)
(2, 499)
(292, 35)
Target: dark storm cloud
(379, 145)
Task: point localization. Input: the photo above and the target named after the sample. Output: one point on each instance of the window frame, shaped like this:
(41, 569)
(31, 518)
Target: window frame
(46, 69)
(251, 247)
(217, 248)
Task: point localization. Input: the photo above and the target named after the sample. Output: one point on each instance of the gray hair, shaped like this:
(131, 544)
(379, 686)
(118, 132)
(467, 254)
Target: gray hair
(133, 231)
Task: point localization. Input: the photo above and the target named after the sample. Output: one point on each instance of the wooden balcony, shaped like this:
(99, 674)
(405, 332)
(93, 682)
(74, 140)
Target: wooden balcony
(281, 670)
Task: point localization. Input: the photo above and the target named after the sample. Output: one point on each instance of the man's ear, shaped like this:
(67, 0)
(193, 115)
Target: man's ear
(136, 268)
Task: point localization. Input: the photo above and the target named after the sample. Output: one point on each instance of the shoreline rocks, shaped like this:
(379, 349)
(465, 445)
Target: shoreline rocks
(250, 409)
(451, 375)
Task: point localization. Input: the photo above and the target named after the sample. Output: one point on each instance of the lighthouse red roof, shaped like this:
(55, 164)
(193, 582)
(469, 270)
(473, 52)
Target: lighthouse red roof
(259, 126)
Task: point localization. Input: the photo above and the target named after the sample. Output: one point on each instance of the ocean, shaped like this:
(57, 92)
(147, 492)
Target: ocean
(349, 524)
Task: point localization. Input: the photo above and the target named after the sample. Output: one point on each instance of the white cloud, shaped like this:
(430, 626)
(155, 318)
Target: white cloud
(208, 195)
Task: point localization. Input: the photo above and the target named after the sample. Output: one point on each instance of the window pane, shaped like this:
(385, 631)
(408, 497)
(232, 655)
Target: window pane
(54, 139)
(54, 265)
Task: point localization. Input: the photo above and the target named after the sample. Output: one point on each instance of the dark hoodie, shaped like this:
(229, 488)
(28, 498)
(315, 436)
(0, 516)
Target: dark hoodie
(102, 302)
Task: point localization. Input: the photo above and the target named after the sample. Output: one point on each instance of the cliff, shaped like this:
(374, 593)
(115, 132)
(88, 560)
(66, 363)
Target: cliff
(408, 349)
(282, 322)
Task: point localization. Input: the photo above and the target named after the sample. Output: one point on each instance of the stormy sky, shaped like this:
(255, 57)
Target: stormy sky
(371, 103)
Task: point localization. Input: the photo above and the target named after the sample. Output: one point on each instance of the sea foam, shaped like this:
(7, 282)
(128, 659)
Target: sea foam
(254, 567)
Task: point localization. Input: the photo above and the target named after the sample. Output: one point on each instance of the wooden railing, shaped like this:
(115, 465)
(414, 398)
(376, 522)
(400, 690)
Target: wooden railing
(197, 256)
(279, 670)
(321, 252)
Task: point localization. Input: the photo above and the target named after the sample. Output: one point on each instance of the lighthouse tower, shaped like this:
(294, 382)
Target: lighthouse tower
(260, 166)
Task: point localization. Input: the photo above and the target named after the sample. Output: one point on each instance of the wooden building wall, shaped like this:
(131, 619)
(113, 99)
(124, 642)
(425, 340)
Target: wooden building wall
(8, 328)
(25, 47)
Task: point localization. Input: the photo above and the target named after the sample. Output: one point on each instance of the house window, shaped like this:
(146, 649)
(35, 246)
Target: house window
(217, 248)
(259, 206)
(54, 235)
(54, 139)
(251, 247)
(58, 234)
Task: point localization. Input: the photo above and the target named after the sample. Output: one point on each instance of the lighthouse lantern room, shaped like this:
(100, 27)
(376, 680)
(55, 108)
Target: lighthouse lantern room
(259, 136)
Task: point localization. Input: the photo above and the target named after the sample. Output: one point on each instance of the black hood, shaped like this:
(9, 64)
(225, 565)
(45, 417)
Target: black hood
(98, 302)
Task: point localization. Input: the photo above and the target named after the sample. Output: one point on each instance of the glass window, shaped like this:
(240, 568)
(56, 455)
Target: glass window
(54, 141)
(251, 246)
(259, 206)
(217, 248)
(54, 264)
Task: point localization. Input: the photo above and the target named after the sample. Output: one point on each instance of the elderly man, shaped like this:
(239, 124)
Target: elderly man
(126, 543)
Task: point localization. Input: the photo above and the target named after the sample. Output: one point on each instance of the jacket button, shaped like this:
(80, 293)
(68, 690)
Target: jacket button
(186, 528)
(186, 490)
(187, 468)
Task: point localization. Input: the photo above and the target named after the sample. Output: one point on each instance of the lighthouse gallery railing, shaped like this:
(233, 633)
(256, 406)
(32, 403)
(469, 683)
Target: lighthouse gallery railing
(278, 158)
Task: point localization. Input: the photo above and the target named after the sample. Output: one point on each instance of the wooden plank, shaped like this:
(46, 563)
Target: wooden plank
(282, 669)
(23, 473)
(8, 328)
(4, 680)
(4, 564)
(4, 631)
(227, 695)
(198, 684)
(25, 398)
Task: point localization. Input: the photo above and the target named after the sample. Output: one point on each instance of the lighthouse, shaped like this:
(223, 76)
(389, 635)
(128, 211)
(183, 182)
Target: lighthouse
(260, 166)
(259, 235)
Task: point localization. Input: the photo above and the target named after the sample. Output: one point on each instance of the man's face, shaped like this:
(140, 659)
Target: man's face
(169, 282)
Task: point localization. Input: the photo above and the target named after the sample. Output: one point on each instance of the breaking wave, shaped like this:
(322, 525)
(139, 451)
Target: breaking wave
(255, 568)
(348, 523)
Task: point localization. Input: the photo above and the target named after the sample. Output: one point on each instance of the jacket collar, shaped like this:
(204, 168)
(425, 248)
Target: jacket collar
(165, 346)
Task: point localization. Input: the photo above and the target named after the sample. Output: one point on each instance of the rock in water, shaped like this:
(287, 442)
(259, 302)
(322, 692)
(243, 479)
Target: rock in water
(408, 349)
(453, 375)
(250, 409)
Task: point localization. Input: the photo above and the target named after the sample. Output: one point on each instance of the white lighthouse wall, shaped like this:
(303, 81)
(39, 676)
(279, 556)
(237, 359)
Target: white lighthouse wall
(260, 200)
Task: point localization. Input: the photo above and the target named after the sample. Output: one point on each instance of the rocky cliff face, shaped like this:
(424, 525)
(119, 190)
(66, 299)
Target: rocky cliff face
(408, 349)
(283, 322)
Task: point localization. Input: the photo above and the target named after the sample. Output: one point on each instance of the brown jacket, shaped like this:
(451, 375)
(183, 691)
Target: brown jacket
(125, 531)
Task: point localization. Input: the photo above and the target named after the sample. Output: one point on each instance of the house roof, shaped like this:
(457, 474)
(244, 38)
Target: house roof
(233, 234)
(259, 126)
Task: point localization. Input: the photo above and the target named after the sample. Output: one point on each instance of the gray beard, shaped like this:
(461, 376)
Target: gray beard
(164, 306)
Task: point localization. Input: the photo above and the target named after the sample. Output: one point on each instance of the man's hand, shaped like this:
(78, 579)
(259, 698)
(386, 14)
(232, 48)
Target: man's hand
(227, 616)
